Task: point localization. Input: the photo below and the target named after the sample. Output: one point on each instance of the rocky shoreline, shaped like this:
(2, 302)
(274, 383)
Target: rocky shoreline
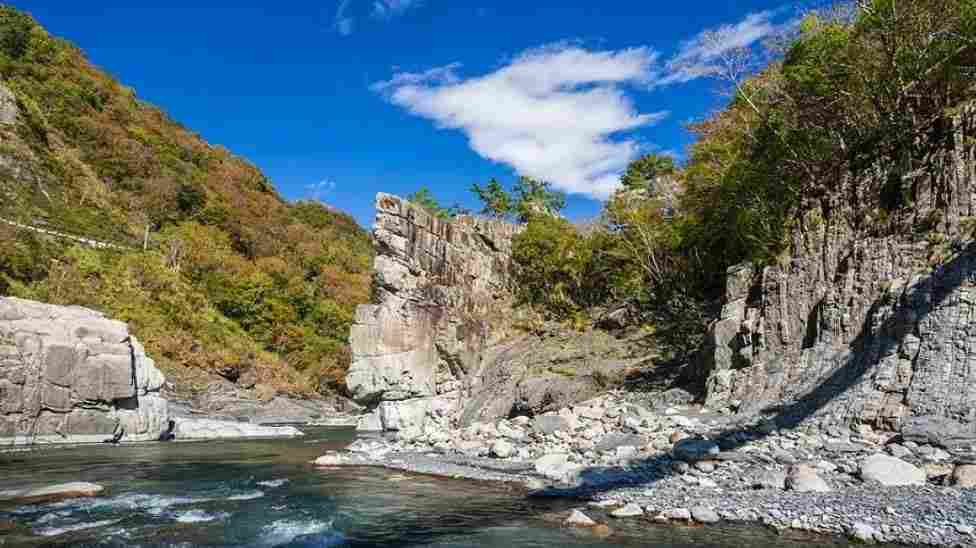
(634, 458)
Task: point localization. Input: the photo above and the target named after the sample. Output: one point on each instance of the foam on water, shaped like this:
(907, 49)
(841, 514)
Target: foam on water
(152, 504)
(55, 531)
(274, 484)
(53, 516)
(285, 531)
(247, 496)
(199, 516)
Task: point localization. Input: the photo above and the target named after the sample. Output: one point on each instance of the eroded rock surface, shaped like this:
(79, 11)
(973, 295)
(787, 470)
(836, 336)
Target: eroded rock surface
(442, 296)
(864, 322)
(69, 375)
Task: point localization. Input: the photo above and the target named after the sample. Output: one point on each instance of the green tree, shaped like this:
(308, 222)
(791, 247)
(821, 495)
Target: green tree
(534, 197)
(642, 172)
(497, 202)
(15, 32)
(556, 267)
(425, 199)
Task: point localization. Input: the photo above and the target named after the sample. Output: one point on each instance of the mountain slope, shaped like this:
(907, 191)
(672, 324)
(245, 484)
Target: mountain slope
(235, 281)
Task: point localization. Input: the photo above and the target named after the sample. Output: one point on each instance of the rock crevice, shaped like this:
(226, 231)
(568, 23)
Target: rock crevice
(862, 324)
(70, 375)
(442, 295)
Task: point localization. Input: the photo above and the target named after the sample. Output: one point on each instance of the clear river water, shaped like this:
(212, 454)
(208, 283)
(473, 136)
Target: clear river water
(265, 493)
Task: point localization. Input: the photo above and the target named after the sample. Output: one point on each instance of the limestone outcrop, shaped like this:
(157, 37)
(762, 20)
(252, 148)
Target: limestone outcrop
(441, 297)
(71, 375)
(868, 320)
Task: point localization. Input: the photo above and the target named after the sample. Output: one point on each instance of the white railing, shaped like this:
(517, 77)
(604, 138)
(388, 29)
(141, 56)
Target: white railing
(90, 242)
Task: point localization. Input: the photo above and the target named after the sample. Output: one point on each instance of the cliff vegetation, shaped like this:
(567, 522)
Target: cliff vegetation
(833, 121)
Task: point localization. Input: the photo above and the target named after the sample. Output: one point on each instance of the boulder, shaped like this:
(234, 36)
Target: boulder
(691, 450)
(703, 514)
(556, 466)
(677, 514)
(611, 442)
(207, 429)
(51, 493)
(629, 510)
(89, 378)
(890, 471)
(400, 415)
(964, 476)
(865, 533)
(502, 449)
(804, 479)
(579, 519)
(329, 460)
(550, 424)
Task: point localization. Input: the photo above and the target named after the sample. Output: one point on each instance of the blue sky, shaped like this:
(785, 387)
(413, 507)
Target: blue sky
(342, 99)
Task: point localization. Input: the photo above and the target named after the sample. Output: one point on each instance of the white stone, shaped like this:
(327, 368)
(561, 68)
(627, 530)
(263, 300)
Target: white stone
(579, 519)
(890, 471)
(627, 511)
(502, 449)
(207, 429)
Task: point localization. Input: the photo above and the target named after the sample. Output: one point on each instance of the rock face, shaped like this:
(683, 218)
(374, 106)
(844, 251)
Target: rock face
(441, 328)
(8, 107)
(206, 429)
(441, 297)
(70, 375)
(867, 320)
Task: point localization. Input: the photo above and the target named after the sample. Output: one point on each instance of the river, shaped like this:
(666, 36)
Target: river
(265, 493)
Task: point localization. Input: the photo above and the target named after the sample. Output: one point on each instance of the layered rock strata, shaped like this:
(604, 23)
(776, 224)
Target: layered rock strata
(868, 320)
(441, 297)
(70, 375)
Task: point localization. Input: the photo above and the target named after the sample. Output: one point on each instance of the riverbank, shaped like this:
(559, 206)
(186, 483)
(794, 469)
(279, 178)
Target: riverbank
(683, 464)
(265, 493)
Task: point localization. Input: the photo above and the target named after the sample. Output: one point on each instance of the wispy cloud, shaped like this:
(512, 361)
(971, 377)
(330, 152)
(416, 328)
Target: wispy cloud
(318, 191)
(343, 23)
(349, 12)
(561, 112)
(701, 56)
(387, 9)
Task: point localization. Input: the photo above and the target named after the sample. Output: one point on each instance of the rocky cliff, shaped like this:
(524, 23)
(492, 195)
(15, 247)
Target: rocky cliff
(869, 319)
(442, 339)
(70, 375)
(441, 297)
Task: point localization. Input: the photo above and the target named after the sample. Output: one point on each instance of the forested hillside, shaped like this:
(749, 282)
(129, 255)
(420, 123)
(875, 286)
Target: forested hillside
(235, 280)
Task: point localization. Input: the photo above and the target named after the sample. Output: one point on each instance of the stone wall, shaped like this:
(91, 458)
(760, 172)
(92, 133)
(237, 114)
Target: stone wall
(441, 297)
(864, 322)
(70, 375)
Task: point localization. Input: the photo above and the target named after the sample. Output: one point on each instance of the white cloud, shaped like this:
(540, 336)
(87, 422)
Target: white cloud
(552, 113)
(557, 113)
(699, 56)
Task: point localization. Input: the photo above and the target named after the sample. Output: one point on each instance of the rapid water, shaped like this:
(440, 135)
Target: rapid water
(264, 493)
